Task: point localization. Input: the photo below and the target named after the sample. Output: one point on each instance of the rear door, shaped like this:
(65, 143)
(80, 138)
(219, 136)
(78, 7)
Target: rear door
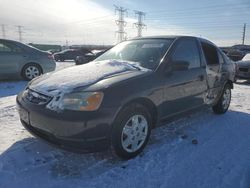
(186, 83)
(9, 60)
(11, 56)
(213, 64)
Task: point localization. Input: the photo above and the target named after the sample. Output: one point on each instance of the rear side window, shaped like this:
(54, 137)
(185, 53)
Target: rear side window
(210, 53)
(14, 48)
(4, 48)
(187, 51)
(68, 52)
(9, 47)
(221, 59)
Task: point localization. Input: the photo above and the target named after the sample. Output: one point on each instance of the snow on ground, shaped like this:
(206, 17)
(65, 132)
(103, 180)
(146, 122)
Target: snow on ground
(218, 157)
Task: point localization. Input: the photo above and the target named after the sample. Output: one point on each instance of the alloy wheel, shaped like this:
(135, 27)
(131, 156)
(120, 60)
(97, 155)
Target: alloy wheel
(134, 133)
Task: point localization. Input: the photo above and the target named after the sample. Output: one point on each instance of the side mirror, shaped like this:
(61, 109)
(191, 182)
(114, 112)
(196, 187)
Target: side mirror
(180, 65)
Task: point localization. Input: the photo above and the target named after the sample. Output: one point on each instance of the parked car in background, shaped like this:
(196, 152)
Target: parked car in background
(118, 98)
(52, 51)
(70, 54)
(18, 60)
(243, 68)
(234, 54)
(89, 57)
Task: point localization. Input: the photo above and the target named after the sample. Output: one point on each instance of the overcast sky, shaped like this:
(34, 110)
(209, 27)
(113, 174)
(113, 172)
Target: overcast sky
(93, 22)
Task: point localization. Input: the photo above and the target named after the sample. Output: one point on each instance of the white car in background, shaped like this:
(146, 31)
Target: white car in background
(243, 68)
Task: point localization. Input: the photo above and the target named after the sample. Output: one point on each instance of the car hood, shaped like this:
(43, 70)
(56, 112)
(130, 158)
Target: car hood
(243, 63)
(66, 80)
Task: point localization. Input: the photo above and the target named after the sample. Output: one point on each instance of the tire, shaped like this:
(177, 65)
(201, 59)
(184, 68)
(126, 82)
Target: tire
(76, 61)
(223, 103)
(57, 58)
(131, 131)
(31, 71)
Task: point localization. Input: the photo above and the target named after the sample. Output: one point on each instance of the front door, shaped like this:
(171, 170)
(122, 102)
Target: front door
(186, 82)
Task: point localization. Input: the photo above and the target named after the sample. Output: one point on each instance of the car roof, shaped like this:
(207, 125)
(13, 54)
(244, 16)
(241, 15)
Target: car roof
(174, 37)
(7, 40)
(165, 37)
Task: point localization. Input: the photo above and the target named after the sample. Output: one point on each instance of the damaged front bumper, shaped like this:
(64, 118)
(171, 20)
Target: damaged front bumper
(71, 130)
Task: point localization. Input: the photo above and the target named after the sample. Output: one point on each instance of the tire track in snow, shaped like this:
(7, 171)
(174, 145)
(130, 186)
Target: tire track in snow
(8, 111)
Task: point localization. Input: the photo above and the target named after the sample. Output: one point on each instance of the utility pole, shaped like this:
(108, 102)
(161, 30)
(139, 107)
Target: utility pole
(121, 23)
(19, 30)
(140, 25)
(67, 44)
(3, 31)
(244, 34)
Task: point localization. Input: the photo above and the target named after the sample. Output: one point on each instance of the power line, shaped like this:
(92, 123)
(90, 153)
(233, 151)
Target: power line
(201, 8)
(139, 24)
(3, 31)
(244, 34)
(121, 23)
(105, 17)
(197, 16)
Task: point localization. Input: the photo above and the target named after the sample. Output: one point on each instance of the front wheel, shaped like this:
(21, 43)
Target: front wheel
(223, 104)
(131, 131)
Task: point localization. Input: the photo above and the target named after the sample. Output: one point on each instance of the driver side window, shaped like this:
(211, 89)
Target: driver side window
(186, 55)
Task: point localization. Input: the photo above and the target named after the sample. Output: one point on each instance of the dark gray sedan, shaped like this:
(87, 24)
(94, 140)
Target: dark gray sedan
(117, 99)
(18, 60)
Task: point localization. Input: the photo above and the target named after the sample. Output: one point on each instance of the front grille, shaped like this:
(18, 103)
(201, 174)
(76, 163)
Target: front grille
(36, 98)
(243, 69)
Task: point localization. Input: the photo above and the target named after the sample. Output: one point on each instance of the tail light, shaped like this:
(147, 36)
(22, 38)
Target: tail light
(50, 56)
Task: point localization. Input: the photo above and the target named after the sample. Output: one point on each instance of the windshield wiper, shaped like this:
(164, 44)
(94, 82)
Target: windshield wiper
(135, 66)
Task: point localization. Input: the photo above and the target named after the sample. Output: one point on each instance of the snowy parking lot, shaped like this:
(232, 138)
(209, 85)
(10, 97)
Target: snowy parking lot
(201, 150)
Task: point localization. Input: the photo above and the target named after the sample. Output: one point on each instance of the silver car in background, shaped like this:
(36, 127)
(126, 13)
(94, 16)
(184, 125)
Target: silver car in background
(18, 60)
(243, 68)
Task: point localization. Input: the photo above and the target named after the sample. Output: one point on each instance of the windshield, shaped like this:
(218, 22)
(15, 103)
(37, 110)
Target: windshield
(246, 57)
(146, 52)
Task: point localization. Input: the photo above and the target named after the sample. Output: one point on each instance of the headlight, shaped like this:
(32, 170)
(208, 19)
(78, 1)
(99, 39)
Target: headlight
(82, 101)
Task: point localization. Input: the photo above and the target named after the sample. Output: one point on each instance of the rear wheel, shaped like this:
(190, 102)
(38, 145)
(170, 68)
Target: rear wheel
(31, 71)
(223, 104)
(131, 131)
